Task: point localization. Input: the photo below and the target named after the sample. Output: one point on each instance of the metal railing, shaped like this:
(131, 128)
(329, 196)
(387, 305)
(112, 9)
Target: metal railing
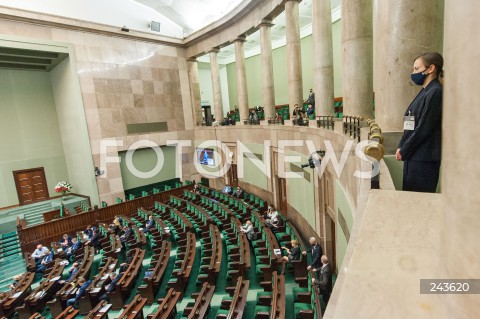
(326, 122)
(352, 125)
(275, 121)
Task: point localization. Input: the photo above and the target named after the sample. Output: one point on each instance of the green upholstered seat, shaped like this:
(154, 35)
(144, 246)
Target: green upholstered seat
(298, 306)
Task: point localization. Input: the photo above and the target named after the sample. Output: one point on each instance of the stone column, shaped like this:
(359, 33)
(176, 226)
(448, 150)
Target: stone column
(460, 169)
(267, 68)
(323, 86)
(294, 55)
(217, 90)
(357, 48)
(195, 90)
(241, 78)
(396, 44)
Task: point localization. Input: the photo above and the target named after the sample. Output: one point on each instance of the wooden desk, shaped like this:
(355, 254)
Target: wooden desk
(202, 302)
(68, 313)
(237, 305)
(160, 262)
(183, 274)
(96, 288)
(37, 299)
(167, 306)
(100, 311)
(66, 292)
(278, 297)
(127, 281)
(134, 310)
(17, 295)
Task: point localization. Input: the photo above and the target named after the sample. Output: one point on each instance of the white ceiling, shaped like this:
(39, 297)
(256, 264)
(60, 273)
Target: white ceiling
(192, 15)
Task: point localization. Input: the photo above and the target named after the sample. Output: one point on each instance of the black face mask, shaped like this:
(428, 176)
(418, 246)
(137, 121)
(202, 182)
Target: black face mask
(419, 78)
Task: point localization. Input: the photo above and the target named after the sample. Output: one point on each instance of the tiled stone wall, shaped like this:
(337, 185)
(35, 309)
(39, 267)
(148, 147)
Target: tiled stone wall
(122, 82)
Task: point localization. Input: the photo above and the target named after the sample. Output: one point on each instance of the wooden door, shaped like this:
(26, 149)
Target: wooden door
(31, 185)
(331, 242)
(282, 195)
(232, 175)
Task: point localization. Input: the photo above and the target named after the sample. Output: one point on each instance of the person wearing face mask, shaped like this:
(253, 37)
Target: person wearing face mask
(420, 145)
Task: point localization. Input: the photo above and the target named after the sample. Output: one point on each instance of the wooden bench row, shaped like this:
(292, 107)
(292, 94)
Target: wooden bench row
(15, 297)
(97, 286)
(37, 299)
(69, 290)
(233, 307)
(157, 267)
(127, 281)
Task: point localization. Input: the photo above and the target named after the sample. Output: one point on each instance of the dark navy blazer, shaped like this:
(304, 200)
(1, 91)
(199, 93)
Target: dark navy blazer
(425, 142)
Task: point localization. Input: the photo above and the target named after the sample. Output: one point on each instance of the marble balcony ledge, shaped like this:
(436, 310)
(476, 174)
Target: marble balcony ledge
(395, 244)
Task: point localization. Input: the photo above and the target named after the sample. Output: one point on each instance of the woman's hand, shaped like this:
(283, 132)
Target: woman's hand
(398, 156)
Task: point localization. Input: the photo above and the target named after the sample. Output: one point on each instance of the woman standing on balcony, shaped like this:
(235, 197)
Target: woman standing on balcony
(420, 146)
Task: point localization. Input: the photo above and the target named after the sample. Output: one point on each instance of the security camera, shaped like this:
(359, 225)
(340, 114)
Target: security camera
(98, 171)
(314, 160)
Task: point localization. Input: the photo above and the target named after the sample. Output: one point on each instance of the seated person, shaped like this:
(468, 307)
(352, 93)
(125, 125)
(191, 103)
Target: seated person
(39, 252)
(83, 285)
(16, 280)
(116, 225)
(195, 189)
(310, 111)
(65, 242)
(276, 224)
(149, 224)
(111, 287)
(95, 240)
(47, 257)
(227, 190)
(127, 232)
(269, 211)
(292, 254)
(76, 245)
(88, 232)
(238, 192)
(71, 272)
(248, 229)
(272, 217)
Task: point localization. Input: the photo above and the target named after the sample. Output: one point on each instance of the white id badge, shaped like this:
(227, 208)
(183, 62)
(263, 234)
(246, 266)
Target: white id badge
(409, 123)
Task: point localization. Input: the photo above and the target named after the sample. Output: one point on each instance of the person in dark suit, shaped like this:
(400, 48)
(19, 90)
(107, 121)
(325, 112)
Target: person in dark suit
(71, 273)
(65, 242)
(83, 285)
(88, 231)
(149, 224)
(70, 252)
(317, 253)
(127, 232)
(311, 98)
(292, 254)
(95, 240)
(238, 192)
(112, 286)
(420, 145)
(48, 257)
(324, 281)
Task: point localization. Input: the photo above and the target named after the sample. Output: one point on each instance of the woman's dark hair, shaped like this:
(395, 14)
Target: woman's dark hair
(434, 58)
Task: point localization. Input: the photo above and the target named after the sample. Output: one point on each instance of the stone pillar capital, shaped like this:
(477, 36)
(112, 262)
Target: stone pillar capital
(240, 38)
(285, 1)
(214, 50)
(192, 59)
(265, 23)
